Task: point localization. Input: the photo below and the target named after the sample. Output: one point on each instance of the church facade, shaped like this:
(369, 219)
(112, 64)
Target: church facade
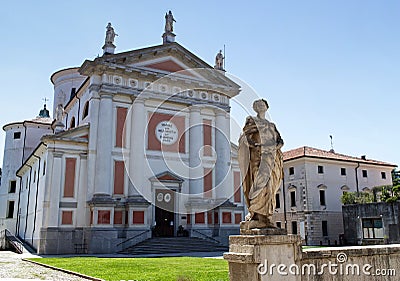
(139, 147)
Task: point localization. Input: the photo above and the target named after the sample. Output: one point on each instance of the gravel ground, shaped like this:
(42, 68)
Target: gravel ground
(12, 267)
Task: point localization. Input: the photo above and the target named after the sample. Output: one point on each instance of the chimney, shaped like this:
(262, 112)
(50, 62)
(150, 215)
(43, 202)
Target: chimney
(363, 157)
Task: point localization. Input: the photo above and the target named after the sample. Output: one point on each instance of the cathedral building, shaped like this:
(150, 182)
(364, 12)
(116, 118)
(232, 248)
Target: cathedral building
(139, 147)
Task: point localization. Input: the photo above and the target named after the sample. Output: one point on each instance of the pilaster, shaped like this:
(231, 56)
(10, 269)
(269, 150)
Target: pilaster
(104, 146)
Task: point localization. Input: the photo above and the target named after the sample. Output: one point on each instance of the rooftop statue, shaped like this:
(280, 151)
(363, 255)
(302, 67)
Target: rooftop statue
(110, 34)
(169, 22)
(219, 61)
(261, 166)
(59, 113)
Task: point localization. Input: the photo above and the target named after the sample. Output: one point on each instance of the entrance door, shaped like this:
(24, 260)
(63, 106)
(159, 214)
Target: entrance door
(164, 213)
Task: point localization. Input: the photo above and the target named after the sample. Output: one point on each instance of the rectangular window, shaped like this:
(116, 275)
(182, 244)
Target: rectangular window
(383, 175)
(119, 133)
(324, 228)
(343, 171)
(237, 187)
(207, 183)
(292, 198)
(278, 201)
(10, 210)
(372, 228)
(13, 186)
(138, 217)
(320, 169)
(322, 201)
(119, 176)
(17, 135)
(291, 171)
(278, 224)
(66, 217)
(294, 227)
(226, 217)
(365, 173)
(103, 217)
(69, 182)
(207, 134)
(238, 218)
(199, 218)
(118, 217)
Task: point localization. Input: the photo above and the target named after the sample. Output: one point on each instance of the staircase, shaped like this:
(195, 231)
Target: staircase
(170, 245)
(13, 242)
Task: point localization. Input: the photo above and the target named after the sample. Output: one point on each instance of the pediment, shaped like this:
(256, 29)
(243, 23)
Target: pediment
(161, 60)
(167, 65)
(166, 176)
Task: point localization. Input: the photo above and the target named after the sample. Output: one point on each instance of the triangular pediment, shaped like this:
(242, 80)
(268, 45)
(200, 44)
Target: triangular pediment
(166, 176)
(162, 60)
(168, 64)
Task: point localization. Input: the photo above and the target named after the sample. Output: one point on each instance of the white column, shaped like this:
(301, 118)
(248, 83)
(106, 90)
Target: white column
(223, 173)
(104, 146)
(195, 143)
(137, 146)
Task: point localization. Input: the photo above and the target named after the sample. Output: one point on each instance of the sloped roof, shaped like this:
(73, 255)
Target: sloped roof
(311, 152)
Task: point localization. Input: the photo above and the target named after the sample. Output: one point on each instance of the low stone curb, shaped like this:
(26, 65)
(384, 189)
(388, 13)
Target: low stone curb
(65, 270)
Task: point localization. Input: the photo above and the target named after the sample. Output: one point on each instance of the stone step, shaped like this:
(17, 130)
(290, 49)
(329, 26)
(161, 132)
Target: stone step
(174, 245)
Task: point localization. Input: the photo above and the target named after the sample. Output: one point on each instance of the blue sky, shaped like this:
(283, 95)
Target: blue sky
(326, 67)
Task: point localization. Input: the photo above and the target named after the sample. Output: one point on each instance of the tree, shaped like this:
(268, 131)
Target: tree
(352, 198)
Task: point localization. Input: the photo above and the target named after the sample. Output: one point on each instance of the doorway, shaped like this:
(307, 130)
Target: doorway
(164, 223)
(164, 213)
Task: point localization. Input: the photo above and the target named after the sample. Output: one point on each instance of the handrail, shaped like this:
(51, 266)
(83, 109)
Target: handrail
(14, 241)
(205, 235)
(133, 237)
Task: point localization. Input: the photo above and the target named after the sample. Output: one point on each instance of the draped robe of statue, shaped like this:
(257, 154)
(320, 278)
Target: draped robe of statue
(261, 166)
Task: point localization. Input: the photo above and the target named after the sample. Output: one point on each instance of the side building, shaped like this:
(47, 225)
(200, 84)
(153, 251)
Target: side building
(21, 140)
(314, 181)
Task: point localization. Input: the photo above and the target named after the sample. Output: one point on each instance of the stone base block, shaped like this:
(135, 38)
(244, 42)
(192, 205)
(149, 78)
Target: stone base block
(263, 231)
(250, 256)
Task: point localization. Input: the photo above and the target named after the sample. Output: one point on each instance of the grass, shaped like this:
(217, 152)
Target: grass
(145, 269)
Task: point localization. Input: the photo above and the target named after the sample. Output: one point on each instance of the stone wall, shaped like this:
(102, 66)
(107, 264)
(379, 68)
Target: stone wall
(357, 263)
(279, 257)
(352, 220)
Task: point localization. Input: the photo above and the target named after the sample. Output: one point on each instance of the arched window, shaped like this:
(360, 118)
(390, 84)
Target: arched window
(85, 110)
(72, 123)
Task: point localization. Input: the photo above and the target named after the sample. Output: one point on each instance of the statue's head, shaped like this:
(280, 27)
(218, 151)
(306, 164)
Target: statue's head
(260, 105)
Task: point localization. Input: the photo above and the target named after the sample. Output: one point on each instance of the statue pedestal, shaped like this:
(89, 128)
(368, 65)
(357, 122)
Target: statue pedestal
(108, 49)
(168, 37)
(258, 257)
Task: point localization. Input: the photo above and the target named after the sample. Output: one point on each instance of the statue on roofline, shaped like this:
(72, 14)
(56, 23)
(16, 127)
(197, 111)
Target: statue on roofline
(169, 22)
(219, 61)
(110, 34)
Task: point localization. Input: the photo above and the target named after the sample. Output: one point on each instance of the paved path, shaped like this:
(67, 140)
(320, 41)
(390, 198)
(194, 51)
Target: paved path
(13, 268)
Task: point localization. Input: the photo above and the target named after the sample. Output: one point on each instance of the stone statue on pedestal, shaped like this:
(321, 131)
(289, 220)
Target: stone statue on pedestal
(169, 22)
(261, 166)
(110, 34)
(219, 61)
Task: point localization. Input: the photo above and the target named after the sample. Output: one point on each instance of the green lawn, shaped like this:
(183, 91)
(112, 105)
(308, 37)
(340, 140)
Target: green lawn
(140, 269)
